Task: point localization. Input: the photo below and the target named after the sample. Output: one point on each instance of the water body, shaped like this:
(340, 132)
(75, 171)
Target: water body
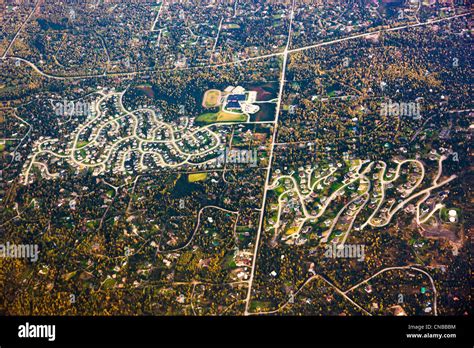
(266, 113)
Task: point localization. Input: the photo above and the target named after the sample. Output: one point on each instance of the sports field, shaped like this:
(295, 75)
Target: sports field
(197, 177)
(221, 116)
(212, 98)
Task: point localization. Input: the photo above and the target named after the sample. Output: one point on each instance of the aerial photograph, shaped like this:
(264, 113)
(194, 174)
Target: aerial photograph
(267, 161)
